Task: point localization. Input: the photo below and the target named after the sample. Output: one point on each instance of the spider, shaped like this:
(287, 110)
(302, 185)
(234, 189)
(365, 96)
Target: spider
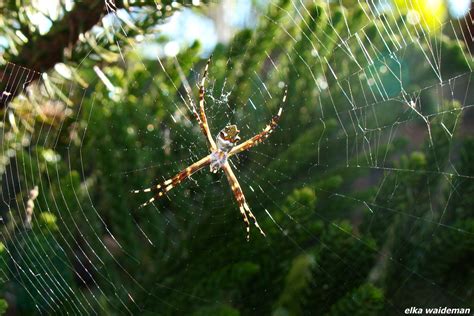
(224, 147)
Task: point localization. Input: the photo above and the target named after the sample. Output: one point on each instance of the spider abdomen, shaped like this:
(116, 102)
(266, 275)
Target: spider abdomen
(218, 159)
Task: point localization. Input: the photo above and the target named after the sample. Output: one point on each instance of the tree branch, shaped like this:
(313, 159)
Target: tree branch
(42, 53)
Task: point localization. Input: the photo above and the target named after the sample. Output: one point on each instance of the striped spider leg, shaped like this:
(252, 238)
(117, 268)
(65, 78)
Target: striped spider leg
(240, 198)
(232, 179)
(161, 189)
(202, 113)
(260, 137)
(201, 117)
(221, 149)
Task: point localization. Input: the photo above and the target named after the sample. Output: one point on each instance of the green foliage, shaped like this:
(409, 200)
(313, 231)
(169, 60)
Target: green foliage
(218, 310)
(340, 251)
(361, 221)
(3, 269)
(3, 306)
(296, 282)
(47, 270)
(364, 300)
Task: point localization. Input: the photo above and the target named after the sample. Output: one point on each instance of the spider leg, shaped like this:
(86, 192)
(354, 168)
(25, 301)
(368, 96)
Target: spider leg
(202, 113)
(239, 196)
(260, 137)
(165, 186)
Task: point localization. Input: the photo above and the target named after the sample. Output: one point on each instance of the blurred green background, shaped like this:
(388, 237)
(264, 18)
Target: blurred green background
(365, 189)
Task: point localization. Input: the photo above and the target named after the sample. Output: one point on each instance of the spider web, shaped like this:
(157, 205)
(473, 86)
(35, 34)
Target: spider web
(343, 143)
